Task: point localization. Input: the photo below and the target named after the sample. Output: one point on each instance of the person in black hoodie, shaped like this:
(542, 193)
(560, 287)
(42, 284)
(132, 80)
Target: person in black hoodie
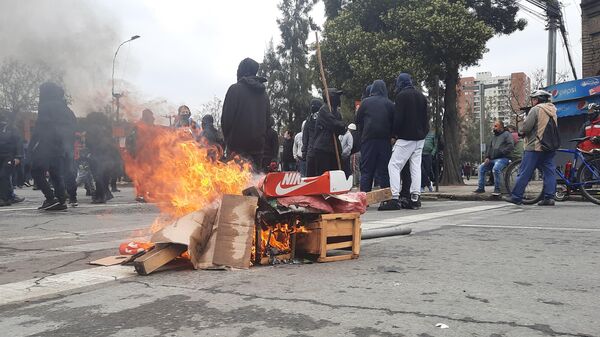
(308, 136)
(245, 115)
(410, 127)
(328, 127)
(11, 154)
(50, 142)
(374, 121)
(209, 133)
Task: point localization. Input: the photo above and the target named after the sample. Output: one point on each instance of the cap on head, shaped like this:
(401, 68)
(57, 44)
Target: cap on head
(352, 126)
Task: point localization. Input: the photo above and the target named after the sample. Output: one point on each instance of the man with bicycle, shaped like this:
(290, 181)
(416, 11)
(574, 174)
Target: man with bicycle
(536, 155)
(591, 130)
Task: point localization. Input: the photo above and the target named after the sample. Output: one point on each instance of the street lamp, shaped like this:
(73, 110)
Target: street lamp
(117, 96)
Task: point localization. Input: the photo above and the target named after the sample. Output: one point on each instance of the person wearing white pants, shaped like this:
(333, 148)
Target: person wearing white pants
(409, 128)
(402, 152)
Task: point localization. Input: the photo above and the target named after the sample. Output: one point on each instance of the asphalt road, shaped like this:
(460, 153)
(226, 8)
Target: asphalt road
(481, 268)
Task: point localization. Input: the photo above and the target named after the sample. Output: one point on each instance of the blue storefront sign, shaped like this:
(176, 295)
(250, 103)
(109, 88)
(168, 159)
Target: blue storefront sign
(571, 98)
(577, 89)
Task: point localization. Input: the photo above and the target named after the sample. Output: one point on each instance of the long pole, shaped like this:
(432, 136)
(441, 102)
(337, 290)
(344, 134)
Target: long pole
(551, 75)
(481, 117)
(337, 154)
(114, 95)
(437, 132)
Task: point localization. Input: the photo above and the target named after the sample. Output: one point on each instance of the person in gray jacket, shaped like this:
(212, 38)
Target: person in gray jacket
(497, 157)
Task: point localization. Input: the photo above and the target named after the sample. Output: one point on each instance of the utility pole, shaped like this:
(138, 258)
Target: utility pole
(553, 13)
(481, 88)
(437, 135)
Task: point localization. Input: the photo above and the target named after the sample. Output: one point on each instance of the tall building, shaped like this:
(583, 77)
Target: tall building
(590, 37)
(508, 94)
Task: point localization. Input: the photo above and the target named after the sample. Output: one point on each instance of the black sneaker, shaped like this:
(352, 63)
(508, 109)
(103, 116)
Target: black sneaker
(496, 193)
(389, 205)
(115, 190)
(16, 200)
(49, 203)
(479, 191)
(61, 206)
(546, 202)
(98, 201)
(415, 201)
(139, 198)
(512, 201)
(73, 202)
(4, 202)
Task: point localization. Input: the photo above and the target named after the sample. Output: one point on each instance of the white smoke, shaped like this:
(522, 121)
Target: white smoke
(74, 37)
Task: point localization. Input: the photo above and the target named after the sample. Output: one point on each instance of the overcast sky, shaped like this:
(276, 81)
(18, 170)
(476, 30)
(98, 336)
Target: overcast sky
(189, 50)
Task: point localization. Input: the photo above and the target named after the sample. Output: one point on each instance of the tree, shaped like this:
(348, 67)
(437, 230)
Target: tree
(372, 39)
(295, 25)
(272, 70)
(19, 85)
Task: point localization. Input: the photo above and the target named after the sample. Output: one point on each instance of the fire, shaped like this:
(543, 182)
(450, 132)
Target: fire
(276, 239)
(171, 169)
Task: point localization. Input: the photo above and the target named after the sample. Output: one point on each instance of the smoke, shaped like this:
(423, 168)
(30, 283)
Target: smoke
(75, 38)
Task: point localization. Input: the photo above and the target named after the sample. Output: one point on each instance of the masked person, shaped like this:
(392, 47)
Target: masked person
(184, 117)
(246, 112)
(326, 147)
(48, 146)
(535, 156)
(11, 153)
(410, 127)
(308, 136)
(374, 121)
(591, 130)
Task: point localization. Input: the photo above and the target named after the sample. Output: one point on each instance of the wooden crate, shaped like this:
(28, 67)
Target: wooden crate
(329, 232)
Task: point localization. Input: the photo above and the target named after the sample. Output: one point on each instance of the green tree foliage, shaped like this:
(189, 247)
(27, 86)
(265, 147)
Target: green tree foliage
(286, 68)
(372, 39)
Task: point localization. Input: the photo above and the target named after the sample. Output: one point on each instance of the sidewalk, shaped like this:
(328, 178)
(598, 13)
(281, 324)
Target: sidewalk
(461, 192)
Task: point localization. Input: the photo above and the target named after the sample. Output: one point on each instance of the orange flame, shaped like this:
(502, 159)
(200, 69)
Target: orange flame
(171, 169)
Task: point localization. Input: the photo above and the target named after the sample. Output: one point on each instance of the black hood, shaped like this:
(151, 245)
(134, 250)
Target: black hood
(50, 91)
(315, 105)
(379, 89)
(207, 120)
(248, 67)
(255, 83)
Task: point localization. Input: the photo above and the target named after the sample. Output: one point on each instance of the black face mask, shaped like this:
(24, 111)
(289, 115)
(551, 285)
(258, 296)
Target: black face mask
(497, 132)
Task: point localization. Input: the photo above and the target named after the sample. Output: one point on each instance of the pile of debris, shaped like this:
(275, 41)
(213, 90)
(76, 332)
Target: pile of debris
(285, 219)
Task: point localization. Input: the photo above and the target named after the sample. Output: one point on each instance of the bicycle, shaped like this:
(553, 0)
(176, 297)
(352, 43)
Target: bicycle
(584, 177)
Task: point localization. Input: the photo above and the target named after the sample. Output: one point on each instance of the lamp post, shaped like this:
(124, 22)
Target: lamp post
(117, 96)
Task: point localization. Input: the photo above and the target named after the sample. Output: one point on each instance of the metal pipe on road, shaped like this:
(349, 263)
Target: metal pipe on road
(385, 231)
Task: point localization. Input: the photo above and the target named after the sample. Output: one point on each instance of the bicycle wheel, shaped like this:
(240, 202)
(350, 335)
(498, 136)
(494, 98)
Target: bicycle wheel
(589, 177)
(533, 190)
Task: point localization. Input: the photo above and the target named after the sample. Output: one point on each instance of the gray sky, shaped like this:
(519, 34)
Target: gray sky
(189, 50)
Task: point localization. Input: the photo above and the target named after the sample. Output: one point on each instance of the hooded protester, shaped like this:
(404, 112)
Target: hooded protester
(103, 153)
(328, 127)
(246, 112)
(11, 154)
(374, 120)
(50, 144)
(209, 133)
(136, 144)
(271, 149)
(308, 136)
(409, 129)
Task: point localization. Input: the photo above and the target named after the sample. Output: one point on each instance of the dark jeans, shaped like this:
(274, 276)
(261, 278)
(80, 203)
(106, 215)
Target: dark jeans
(55, 168)
(374, 158)
(288, 166)
(347, 166)
(5, 175)
(426, 170)
(71, 177)
(544, 161)
(101, 170)
(302, 167)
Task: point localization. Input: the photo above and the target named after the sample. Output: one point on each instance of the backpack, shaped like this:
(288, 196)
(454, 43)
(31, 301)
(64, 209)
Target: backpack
(550, 140)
